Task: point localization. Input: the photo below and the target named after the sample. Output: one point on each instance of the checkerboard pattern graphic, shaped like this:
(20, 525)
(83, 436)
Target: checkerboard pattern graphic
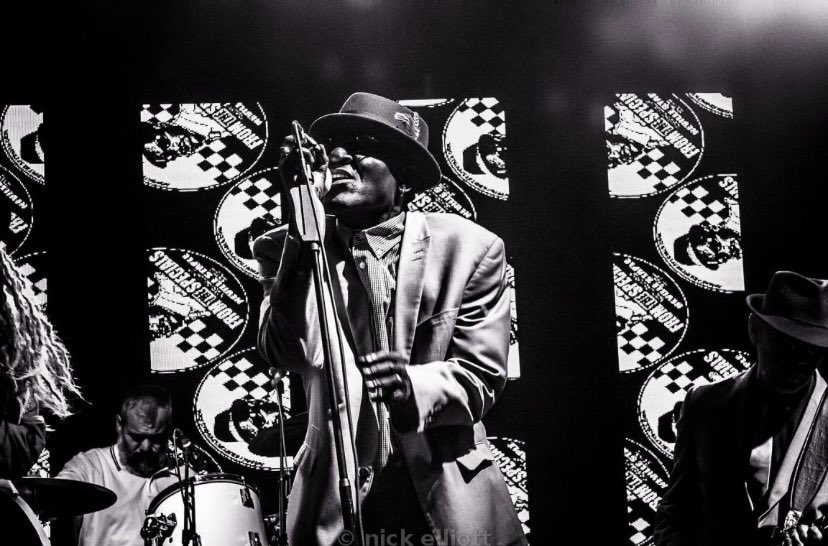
(259, 195)
(486, 113)
(219, 159)
(38, 280)
(161, 113)
(640, 528)
(640, 344)
(197, 344)
(699, 205)
(678, 375)
(657, 167)
(241, 377)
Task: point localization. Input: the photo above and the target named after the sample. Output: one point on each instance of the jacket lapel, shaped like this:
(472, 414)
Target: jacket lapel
(783, 478)
(410, 280)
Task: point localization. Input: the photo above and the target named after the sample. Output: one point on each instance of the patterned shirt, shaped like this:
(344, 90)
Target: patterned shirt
(376, 253)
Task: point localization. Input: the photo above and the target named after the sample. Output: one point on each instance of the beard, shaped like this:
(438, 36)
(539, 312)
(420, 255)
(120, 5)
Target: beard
(146, 464)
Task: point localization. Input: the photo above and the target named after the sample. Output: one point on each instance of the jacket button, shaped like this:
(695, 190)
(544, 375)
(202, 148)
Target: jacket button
(364, 474)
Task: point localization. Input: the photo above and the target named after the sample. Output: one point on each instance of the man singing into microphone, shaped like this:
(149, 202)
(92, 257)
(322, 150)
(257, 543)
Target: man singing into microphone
(424, 319)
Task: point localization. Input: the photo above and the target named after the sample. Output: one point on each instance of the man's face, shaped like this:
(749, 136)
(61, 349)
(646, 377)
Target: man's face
(362, 186)
(142, 438)
(785, 364)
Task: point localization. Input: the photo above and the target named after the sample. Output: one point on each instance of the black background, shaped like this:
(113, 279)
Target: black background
(553, 65)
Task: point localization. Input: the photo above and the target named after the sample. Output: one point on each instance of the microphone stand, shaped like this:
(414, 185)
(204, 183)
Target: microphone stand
(309, 226)
(188, 533)
(284, 480)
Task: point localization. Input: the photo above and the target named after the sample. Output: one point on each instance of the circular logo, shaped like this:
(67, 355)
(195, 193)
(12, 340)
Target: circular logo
(16, 213)
(251, 208)
(444, 197)
(510, 456)
(474, 144)
(698, 235)
(714, 102)
(188, 147)
(237, 411)
(646, 480)
(653, 143)
(33, 267)
(651, 313)
(23, 138)
(197, 310)
(662, 394)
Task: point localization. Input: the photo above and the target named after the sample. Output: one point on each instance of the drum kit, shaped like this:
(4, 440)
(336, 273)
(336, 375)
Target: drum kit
(225, 510)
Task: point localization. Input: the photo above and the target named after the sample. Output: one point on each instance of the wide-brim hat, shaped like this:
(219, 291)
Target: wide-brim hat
(392, 124)
(795, 305)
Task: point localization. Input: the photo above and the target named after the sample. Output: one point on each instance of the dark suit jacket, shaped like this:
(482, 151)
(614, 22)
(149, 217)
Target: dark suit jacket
(451, 321)
(707, 502)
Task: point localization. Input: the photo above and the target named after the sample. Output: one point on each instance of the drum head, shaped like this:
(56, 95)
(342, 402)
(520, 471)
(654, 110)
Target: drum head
(196, 480)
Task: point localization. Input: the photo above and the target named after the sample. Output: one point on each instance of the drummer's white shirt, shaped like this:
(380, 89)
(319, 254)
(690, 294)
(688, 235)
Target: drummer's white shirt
(120, 524)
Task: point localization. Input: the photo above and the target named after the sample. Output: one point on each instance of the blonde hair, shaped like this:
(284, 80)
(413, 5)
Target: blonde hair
(31, 353)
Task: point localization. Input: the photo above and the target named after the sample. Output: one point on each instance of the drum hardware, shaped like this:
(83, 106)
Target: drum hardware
(274, 534)
(280, 537)
(158, 528)
(246, 499)
(221, 517)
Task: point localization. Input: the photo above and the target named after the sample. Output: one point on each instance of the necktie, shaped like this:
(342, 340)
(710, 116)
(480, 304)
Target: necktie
(379, 327)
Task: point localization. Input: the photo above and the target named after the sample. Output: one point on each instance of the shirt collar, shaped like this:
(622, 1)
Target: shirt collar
(380, 238)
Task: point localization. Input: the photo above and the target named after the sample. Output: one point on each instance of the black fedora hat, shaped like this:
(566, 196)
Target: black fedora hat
(795, 305)
(391, 123)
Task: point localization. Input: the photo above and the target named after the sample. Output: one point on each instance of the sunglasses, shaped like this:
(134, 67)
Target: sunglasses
(356, 145)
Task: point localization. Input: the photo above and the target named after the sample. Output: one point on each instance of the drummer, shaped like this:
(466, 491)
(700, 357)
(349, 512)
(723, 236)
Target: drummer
(136, 468)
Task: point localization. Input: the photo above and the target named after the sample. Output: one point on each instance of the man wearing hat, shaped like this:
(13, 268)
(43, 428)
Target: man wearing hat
(752, 451)
(424, 318)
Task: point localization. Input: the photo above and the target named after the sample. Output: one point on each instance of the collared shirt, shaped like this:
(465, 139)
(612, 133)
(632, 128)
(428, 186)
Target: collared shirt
(119, 524)
(376, 253)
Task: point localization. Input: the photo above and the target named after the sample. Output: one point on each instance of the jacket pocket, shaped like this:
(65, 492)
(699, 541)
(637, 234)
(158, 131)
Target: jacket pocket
(474, 460)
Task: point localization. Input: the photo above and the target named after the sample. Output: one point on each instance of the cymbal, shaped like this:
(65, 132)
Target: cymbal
(59, 497)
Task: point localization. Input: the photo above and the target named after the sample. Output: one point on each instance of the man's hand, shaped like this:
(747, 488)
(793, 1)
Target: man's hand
(806, 535)
(386, 375)
(305, 213)
(315, 157)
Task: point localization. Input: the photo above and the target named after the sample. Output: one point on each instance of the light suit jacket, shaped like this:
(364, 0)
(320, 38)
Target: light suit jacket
(707, 502)
(451, 320)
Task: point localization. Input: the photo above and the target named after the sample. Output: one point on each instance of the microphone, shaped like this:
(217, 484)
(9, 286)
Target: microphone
(306, 141)
(180, 440)
(276, 377)
(301, 195)
(188, 453)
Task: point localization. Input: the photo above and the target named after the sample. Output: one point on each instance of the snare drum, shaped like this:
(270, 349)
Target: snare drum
(227, 511)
